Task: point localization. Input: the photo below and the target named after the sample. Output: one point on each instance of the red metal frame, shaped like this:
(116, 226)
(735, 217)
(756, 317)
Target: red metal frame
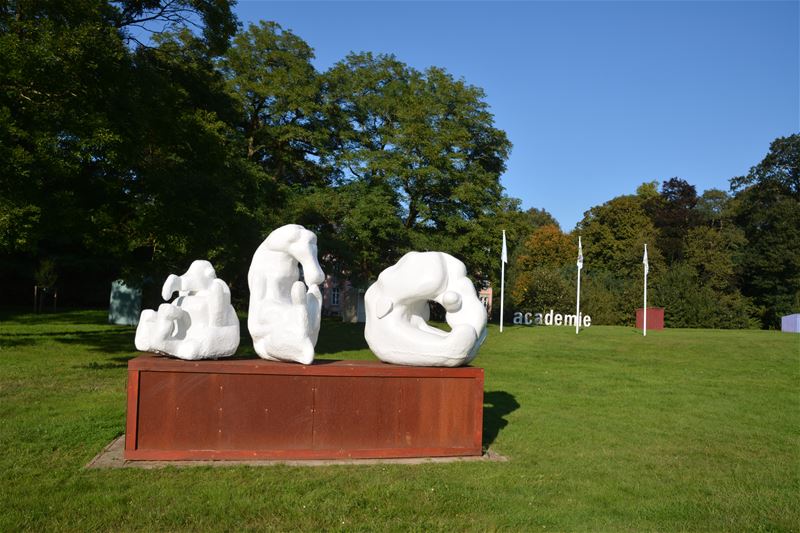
(415, 411)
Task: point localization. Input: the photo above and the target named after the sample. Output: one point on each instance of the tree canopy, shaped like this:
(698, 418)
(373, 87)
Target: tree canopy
(767, 209)
(716, 260)
(137, 136)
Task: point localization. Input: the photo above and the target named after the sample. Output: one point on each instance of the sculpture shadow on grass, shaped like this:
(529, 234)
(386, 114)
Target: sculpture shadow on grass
(496, 405)
(107, 341)
(110, 363)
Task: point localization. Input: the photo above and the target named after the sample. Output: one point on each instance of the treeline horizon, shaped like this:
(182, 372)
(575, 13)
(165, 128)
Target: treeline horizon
(716, 260)
(122, 159)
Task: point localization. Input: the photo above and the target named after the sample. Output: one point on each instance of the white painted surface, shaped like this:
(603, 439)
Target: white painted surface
(199, 324)
(284, 313)
(397, 312)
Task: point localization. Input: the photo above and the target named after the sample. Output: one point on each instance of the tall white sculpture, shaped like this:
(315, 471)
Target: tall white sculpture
(199, 324)
(284, 316)
(397, 311)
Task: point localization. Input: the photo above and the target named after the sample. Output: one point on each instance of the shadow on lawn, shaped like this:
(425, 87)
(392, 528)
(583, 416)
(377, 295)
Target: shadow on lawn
(24, 317)
(496, 405)
(108, 341)
(112, 362)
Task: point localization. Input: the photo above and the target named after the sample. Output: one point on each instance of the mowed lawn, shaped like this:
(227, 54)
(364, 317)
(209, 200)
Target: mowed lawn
(684, 430)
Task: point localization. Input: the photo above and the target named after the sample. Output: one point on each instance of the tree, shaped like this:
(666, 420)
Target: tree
(540, 264)
(518, 225)
(713, 253)
(270, 75)
(690, 303)
(608, 298)
(713, 207)
(540, 289)
(75, 129)
(767, 208)
(779, 168)
(673, 214)
(647, 191)
(614, 235)
(428, 141)
(358, 228)
(702, 291)
(547, 246)
(193, 194)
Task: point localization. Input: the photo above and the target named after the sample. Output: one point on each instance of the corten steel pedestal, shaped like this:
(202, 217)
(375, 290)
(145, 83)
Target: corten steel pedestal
(655, 318)
(257, 409)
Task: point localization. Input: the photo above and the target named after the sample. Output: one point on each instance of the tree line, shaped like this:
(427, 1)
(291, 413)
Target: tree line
(128, 157)
(138, 136)
(720, 259)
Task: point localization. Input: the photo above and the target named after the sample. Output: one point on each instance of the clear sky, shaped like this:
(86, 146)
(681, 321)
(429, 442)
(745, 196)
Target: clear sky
(597, 97)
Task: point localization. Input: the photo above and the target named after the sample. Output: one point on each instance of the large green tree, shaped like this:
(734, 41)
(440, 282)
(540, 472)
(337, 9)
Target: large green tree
(424, 145)
(269, 73)
(192, 194)
(541, 264)
(767, 208)
(84, 111)
(614, 235)
(673, 213)
(702, 290)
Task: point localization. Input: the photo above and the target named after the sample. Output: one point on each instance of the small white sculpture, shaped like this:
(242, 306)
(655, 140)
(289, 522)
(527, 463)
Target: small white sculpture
(397, 311)
(199, 324)
(284, 316)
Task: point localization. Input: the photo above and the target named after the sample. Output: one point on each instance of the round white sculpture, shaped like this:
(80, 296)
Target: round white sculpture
(284, 316)
(397, 311)
(199, 324)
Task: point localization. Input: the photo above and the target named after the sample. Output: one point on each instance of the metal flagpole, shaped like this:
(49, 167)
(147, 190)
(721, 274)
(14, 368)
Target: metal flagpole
(578, 295)
(503, 261)
(644, 311)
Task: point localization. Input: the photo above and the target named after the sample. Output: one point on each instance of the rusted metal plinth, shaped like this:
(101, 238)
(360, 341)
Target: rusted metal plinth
(655, 318)
(256, 409)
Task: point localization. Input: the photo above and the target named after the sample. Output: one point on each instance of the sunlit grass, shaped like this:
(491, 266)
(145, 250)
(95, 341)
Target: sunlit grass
(606, 431)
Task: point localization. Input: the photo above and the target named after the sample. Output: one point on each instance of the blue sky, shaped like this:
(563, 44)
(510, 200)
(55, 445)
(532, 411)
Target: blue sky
(597, 97)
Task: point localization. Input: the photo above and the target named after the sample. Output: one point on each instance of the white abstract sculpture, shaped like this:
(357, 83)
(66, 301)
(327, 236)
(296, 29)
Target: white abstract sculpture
(397, 311)
(199, 324)
(284, 316)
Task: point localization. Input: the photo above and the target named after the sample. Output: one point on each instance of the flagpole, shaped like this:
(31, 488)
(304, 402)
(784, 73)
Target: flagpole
(502, 290)
(503, 259)
(644, 311)
(578, 295)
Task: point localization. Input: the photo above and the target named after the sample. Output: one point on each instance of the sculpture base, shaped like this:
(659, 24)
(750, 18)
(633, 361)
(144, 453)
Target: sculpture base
(256, 409)
(655, 318)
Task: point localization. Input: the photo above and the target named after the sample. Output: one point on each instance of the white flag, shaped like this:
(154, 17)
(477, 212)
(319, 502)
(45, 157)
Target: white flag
(580, 254)
(644, 261)
(504, 253)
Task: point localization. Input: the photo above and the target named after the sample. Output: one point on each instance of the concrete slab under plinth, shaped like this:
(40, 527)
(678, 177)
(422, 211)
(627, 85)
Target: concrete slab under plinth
(112, 457)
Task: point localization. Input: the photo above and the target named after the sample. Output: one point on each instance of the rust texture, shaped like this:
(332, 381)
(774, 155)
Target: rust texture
(182, 410)
(655, 318)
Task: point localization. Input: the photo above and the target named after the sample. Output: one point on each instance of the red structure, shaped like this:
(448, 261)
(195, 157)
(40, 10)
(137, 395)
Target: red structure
(655, 318)
(257, 409)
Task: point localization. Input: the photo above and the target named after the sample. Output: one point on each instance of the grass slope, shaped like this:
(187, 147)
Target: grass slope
(684, 430)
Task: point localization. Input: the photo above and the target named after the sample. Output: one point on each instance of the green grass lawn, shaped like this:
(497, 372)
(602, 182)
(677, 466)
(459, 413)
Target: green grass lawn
(605, 431)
